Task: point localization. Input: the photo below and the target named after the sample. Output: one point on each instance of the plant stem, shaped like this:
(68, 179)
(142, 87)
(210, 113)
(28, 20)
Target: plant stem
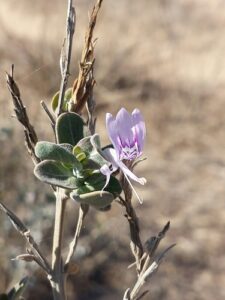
(57, 279)
(82, 213)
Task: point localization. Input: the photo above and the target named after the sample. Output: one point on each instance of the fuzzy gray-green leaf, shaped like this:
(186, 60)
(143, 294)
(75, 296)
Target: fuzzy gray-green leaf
(96, 199)
(47, 150)
(55, 173)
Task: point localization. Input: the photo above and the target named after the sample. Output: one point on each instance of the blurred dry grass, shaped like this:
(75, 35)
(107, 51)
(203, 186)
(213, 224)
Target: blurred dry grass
(167, 58)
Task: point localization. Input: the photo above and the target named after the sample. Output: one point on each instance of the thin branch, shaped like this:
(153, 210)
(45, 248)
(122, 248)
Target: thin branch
(50, 116)
(82, 213)
(126, 295)
(149, 264)
(151, 269)
(25, 232)
(21, 115)
(135, 243)
(152, 244)
(66, 54)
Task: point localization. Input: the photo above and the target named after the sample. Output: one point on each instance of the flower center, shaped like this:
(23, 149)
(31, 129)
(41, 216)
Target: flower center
(129, 153)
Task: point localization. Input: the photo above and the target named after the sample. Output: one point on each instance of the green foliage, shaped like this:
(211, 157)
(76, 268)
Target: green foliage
(74, 163)
(55, 173)
(97, 199)
(51, 151)
(70, 128)
(90, 192)
(93, 156)
(67, 97)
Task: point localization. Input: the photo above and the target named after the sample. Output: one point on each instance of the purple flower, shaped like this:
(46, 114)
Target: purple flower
(126, 132)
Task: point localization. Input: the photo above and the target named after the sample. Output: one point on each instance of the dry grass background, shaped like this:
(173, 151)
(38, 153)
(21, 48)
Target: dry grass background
(168, 59)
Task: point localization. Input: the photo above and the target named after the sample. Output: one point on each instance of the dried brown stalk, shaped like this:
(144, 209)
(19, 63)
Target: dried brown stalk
(135, 243)
(83, 85)
(145, 262)
(145, 275)
(21, 115)
(149, 264)
(25, 232)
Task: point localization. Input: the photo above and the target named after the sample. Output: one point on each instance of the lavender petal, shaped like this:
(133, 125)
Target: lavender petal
(112, 129)
(139, 129)
(124, 125)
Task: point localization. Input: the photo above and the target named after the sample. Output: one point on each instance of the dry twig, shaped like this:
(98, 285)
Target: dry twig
(83, 85)
(50, 116)
(25, 232)
(21, 115)
(135, 243)
(149, 264)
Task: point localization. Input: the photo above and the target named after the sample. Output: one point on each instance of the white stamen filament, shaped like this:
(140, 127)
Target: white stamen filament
(132, 187)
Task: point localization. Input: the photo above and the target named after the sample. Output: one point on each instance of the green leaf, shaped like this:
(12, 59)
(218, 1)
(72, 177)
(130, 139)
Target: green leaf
(96, 199)
(70, 128)
(3, 297)
(67, 97)
(92, 183)
(86, 145)
(114, 186)
(47, 150)
(96, 182)
(16, 292)
(68, 94)
(95, 159)
(55, 100)
(55, 173)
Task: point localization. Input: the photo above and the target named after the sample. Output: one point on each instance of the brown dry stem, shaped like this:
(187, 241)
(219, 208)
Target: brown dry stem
(145, 261)
(25, 232)
(21, 115)
(83, 85)
(135, 243)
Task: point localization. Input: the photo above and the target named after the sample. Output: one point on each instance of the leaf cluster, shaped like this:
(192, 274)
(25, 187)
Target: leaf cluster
(74, 163)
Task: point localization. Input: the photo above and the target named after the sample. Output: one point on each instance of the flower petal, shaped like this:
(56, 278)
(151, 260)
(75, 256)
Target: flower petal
(124, 126)
(139, 129)
(112, 129)
(111, 156)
